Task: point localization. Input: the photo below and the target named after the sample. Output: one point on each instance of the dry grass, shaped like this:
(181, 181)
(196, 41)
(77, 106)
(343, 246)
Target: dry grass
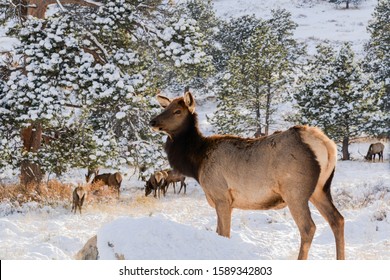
(53, 193)
(100, 193)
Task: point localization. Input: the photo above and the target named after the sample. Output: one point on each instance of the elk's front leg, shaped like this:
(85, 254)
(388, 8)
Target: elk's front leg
(224, 218)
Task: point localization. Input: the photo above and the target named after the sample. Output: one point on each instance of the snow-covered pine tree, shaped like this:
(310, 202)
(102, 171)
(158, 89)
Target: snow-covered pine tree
(258, 75)
(46, 94)
(176, 53)
(311, 92)
(377, 65)
(87, 84)
(120, 108)
(231, 38)
(347, 3)
(203, 12)
(333, 95)
(181, 46)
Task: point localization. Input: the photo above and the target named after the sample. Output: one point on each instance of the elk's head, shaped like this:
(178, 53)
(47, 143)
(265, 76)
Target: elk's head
(148, 187)
(176, 116)
(91, 172)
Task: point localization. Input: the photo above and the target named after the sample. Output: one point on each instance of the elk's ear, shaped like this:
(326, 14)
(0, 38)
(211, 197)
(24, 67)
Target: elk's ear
(189, 100)
(164, 101)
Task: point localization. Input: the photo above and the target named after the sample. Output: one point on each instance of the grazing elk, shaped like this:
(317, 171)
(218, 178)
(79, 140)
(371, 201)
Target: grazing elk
(156, 183)
(79, 195)
(289, 168)
(258, 133)
(374, 149)
(110, 179)
(174, 176)
(91, 171)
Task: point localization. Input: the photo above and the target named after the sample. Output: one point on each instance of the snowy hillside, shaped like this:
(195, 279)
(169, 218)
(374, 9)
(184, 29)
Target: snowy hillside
(182, 226)
(317, 20)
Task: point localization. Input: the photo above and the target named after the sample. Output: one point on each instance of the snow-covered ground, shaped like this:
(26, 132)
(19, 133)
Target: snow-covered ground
(183, 226)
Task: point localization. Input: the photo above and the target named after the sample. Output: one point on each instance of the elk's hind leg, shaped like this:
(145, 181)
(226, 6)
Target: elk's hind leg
(324, 204)
(301, 213)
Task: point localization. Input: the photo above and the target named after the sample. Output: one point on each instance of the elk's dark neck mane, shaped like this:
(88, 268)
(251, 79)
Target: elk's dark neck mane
(187, 148)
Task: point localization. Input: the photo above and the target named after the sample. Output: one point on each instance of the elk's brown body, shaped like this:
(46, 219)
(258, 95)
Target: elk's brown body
(173, 176)
(110, 179)
(373, 150)
(289, 168)
(79, 195)
(90, 172)
(156, 183)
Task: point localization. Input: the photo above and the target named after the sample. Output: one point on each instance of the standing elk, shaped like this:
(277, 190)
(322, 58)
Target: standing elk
(289, 168)
(79, 195)
(374, 149)
(156, 183)
(110, 179)
(173, 176)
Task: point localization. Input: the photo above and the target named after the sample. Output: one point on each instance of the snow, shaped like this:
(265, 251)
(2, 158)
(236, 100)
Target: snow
(178, 244)
(120, 115)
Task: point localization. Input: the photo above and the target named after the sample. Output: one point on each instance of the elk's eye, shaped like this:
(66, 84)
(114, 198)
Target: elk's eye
(177, 112)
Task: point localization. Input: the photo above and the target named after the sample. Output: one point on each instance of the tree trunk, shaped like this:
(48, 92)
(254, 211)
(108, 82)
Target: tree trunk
(31, 173)
(347, 4)
(345, 148)
(258, 132)
(268, 106)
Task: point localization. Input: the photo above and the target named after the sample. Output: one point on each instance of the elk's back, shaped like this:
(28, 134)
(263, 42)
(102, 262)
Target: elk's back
(254, 173)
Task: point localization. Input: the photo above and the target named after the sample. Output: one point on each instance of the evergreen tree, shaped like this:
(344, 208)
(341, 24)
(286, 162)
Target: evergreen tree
(84, 86)
(377, 65)
(347, 3)
(231, 38)
(258, 75)
(203, 12)
(183, 48)
(332, 95)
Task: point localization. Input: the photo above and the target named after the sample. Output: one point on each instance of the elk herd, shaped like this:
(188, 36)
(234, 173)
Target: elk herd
(158, 182)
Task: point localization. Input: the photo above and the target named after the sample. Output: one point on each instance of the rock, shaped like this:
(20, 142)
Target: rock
(89, 251)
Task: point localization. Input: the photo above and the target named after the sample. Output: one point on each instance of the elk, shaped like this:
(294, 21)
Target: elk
(156, 183)
(289, 168)
(79, 195)
(374, 149)
(91, 171)
(110, 179)
(258, 133)
(174, 176)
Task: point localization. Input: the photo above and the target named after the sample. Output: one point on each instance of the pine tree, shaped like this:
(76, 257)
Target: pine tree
(183, 49)
(347, 3)
(231, 38)
(258, 74)
(311, 93)
(332, 95)
(46, 95)
(377, 65)
(84, 86)
(203, 12)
